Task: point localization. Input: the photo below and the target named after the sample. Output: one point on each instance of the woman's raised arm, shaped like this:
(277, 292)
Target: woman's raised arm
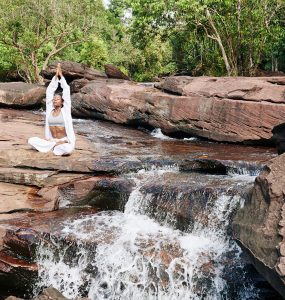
(66, 92)
(50, 90)
(66, 89)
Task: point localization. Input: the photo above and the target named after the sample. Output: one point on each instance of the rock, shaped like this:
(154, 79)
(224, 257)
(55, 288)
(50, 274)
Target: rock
(25, 177)
(236, 88)
(227, 109)
(15, 198)
(102, 192)
(53, 294)
(259, 225)
(77, 84)
(113, 72)
(50, 294)
(279, 137)
(73, 70)
(174, 84)
(20, 94)
(18, 271)
(188, 198)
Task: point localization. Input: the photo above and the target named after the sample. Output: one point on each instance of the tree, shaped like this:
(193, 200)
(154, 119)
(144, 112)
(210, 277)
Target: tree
(239, 29)
(40, 29)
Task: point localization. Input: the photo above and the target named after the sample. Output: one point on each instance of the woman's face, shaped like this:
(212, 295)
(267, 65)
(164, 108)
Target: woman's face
(57, 101)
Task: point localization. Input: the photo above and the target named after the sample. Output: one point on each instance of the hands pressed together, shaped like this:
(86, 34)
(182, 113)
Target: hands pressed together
(58, 70)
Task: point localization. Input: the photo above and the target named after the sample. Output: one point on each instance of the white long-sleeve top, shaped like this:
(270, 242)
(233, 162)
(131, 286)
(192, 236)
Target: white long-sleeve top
(66, 109)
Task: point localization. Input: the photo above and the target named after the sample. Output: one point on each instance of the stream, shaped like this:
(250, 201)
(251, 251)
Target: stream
(172, 237)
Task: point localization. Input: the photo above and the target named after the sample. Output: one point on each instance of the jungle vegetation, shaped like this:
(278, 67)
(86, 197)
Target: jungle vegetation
(144, 38)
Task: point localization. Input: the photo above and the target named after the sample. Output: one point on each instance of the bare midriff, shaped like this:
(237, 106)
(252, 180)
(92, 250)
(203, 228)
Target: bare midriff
(57, 132)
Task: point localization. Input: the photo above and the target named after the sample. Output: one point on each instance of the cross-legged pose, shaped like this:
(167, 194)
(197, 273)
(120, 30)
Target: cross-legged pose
(59, 133)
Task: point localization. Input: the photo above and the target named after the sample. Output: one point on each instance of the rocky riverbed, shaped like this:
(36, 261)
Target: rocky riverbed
(134, 213)
(41, 192)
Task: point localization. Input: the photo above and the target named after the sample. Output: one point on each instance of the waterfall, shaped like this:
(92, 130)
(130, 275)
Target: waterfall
(139, 255)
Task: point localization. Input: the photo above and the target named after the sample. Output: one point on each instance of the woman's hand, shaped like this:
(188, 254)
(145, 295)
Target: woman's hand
(58, 70)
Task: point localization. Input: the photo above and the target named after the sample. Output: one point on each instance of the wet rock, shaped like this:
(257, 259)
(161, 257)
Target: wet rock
(20, 94)
(14, 198)
(50, 294)
(47, 294)
(259, 225)
(220, 109)
(279, 137)
(185, 199)
(113, 72)
(25, 177)
(72, 70)
(101, 192)
(18, 271)
(219, 166)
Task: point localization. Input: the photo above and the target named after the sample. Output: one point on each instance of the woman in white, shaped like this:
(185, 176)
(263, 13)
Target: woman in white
(59, 133)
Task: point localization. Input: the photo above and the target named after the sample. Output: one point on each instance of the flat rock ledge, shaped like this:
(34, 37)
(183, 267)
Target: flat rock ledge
(229, 109)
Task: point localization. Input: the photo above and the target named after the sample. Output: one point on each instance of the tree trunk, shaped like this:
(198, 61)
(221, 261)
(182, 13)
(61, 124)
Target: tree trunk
(220, 43)
(38, 77)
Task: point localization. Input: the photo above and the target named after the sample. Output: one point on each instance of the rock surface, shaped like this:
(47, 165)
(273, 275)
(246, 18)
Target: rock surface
(221, 109)
(20, 94)
(72, 70)
(34, 185)
(113, 72)
(279, 137)
(260, 225)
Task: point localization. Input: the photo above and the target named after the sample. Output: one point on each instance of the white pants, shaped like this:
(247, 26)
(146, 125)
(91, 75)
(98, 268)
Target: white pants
(45, 146)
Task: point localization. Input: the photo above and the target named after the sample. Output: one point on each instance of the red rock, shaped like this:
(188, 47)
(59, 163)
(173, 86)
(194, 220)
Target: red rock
(72, 70)
(221, 109)
(77, 84)
(20, 94)
(259, 225)
(113, 72)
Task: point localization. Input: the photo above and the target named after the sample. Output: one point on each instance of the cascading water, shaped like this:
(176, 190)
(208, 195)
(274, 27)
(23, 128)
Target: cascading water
(130, 255)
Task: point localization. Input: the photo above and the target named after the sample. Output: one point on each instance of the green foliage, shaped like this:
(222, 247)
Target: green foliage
(94, 53)
(40, 30)
(8, 58)
(144, 38)
(210, 37)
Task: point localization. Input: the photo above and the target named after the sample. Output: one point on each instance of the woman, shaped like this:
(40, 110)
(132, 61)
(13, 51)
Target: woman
(59, 131)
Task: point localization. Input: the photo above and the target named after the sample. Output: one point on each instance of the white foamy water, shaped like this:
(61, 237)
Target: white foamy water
(157, 133)
(128, 255)
(190, 139)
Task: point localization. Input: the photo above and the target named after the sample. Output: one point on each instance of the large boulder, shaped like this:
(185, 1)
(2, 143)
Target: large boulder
(279, 137)
(73, 70)
(20, 94)
(235, 88)
(113, 72)
(259, 225)
(221, 109)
